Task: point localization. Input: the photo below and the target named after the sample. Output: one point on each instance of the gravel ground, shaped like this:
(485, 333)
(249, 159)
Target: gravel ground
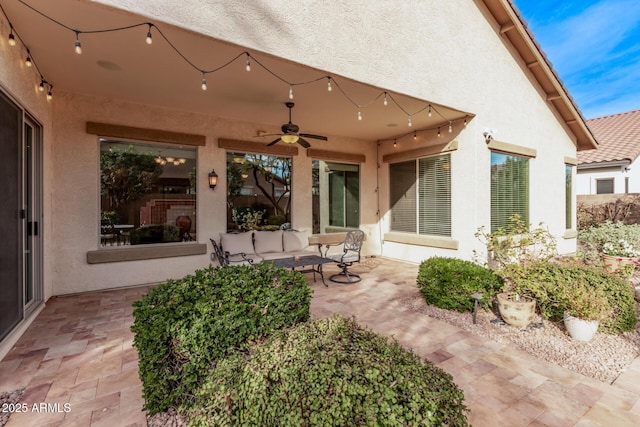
(7, 400)
(603, 358)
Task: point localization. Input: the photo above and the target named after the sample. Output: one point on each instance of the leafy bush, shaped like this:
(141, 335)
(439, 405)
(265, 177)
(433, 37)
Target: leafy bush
(550, 284)
(518, 242)
(183, 326)
(328, 372)
(155, 233)
(448, 283)
(593, 239)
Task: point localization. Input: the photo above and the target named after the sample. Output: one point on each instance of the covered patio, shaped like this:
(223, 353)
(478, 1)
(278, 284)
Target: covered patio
(79, 351)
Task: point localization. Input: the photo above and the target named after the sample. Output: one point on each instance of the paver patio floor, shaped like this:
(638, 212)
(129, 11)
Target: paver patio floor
(79, 351)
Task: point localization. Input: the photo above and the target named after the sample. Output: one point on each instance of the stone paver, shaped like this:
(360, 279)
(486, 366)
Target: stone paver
(78, 353)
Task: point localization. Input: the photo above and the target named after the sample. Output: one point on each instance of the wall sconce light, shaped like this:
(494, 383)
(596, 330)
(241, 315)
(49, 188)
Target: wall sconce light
(213, 179)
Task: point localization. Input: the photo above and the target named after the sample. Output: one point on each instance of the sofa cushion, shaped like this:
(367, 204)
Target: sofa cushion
(295, 240)
(268, 241)
(236, 243)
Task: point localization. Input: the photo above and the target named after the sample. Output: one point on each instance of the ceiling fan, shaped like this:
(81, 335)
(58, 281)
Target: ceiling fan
(290, 133)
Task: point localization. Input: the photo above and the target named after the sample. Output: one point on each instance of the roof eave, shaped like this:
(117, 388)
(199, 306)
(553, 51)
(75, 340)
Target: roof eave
(513, 29)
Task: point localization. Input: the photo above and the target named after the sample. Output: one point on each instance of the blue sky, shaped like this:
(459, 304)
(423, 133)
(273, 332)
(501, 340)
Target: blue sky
(594, 46)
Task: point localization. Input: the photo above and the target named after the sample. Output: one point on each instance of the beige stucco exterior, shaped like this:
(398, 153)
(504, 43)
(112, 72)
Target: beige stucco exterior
(449, 52)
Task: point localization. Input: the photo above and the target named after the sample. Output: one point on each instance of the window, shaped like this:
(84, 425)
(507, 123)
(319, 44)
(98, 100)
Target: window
(336, 196)
(509, 189)
(148, 193)
(626, 184)
(568, 170)
(421, 196)
(604, 186)
(258, 191)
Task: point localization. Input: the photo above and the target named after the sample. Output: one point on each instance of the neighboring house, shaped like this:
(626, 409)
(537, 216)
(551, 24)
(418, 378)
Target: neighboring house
(613, 167)
(443, 116)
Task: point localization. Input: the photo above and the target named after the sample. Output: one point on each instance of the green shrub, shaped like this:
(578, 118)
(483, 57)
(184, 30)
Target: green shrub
(277, 220)
(448, 283)
(592, 240)
(155, 233)
(547, 282)
(183, 326)
(328, 372)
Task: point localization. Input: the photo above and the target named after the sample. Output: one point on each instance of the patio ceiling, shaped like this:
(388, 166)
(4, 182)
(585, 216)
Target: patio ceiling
(121, 65)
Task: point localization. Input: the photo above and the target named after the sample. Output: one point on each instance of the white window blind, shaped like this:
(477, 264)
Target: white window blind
(509, 189)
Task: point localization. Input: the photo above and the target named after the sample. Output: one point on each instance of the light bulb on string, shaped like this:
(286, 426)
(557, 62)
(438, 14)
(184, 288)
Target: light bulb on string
(203, 86)
(438, 132)
(465, 121)
(12, 38)
(149, 40)
(329, 88)
(385, 102)
(27, 61)
(429, 110)
(248, 64)
(290, 92)
(395, 144)
(41, 87)
(49, 95)
(450, 128)
(409, 122)
(415, 136)
(359, 115)
(78, 44)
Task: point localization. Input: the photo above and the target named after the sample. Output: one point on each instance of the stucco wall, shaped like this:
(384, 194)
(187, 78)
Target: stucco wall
(76, 189)
(21, 84)
(587, 179)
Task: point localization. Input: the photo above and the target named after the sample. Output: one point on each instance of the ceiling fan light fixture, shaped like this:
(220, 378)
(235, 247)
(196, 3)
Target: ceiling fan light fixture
(289, 139)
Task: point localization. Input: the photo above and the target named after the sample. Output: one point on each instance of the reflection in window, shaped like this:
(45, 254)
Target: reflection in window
(336, 196)
(258, 191)
(148, 193)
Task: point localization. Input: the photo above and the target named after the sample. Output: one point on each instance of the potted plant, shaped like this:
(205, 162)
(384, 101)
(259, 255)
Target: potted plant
(585, 306)
(516, 306)
(620, 255)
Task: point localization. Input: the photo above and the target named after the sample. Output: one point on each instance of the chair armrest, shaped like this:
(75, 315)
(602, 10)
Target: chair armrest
(242, 255)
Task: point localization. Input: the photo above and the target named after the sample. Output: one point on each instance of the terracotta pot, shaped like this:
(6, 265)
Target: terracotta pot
(614, 263)
(518, 313)
(581, 330)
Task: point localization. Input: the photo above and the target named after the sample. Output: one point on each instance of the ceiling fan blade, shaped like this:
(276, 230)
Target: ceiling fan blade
(273, 142)
(309, 135)
(304, 143)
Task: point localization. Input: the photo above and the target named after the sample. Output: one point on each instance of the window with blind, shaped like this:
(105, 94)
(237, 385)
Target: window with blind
(568, 199)
(421, 196)
(509, 189)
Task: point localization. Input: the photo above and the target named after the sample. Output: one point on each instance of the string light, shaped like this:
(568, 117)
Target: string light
(450, 128)
(50, 94)
(438, 132)
(149, 39)
(78, 44)
(465, 121)
(12, 39)
(395, 144)
(415, 136)
(203, 86)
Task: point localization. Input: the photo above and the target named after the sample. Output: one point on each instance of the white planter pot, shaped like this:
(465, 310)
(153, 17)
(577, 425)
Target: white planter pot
(581, 330)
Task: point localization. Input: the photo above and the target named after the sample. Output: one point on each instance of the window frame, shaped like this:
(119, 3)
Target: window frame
(500, 214)
(427, 220)
(605, 181)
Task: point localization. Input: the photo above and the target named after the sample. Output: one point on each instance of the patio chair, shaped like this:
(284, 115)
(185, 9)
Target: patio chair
(225, 258)
(352, 244)
(108, 234)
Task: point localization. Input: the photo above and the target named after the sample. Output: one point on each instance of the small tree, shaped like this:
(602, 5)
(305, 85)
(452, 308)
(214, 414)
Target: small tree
(125, 175)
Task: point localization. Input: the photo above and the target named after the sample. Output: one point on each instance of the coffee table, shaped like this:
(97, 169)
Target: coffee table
(315, 263)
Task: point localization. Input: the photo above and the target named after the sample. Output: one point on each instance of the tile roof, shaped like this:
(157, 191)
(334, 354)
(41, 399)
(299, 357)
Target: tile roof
(618, 137)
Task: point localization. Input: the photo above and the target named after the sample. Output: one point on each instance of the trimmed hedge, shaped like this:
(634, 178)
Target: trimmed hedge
(328, 372)
(448, 283)
(183, 326)
(545, 281)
